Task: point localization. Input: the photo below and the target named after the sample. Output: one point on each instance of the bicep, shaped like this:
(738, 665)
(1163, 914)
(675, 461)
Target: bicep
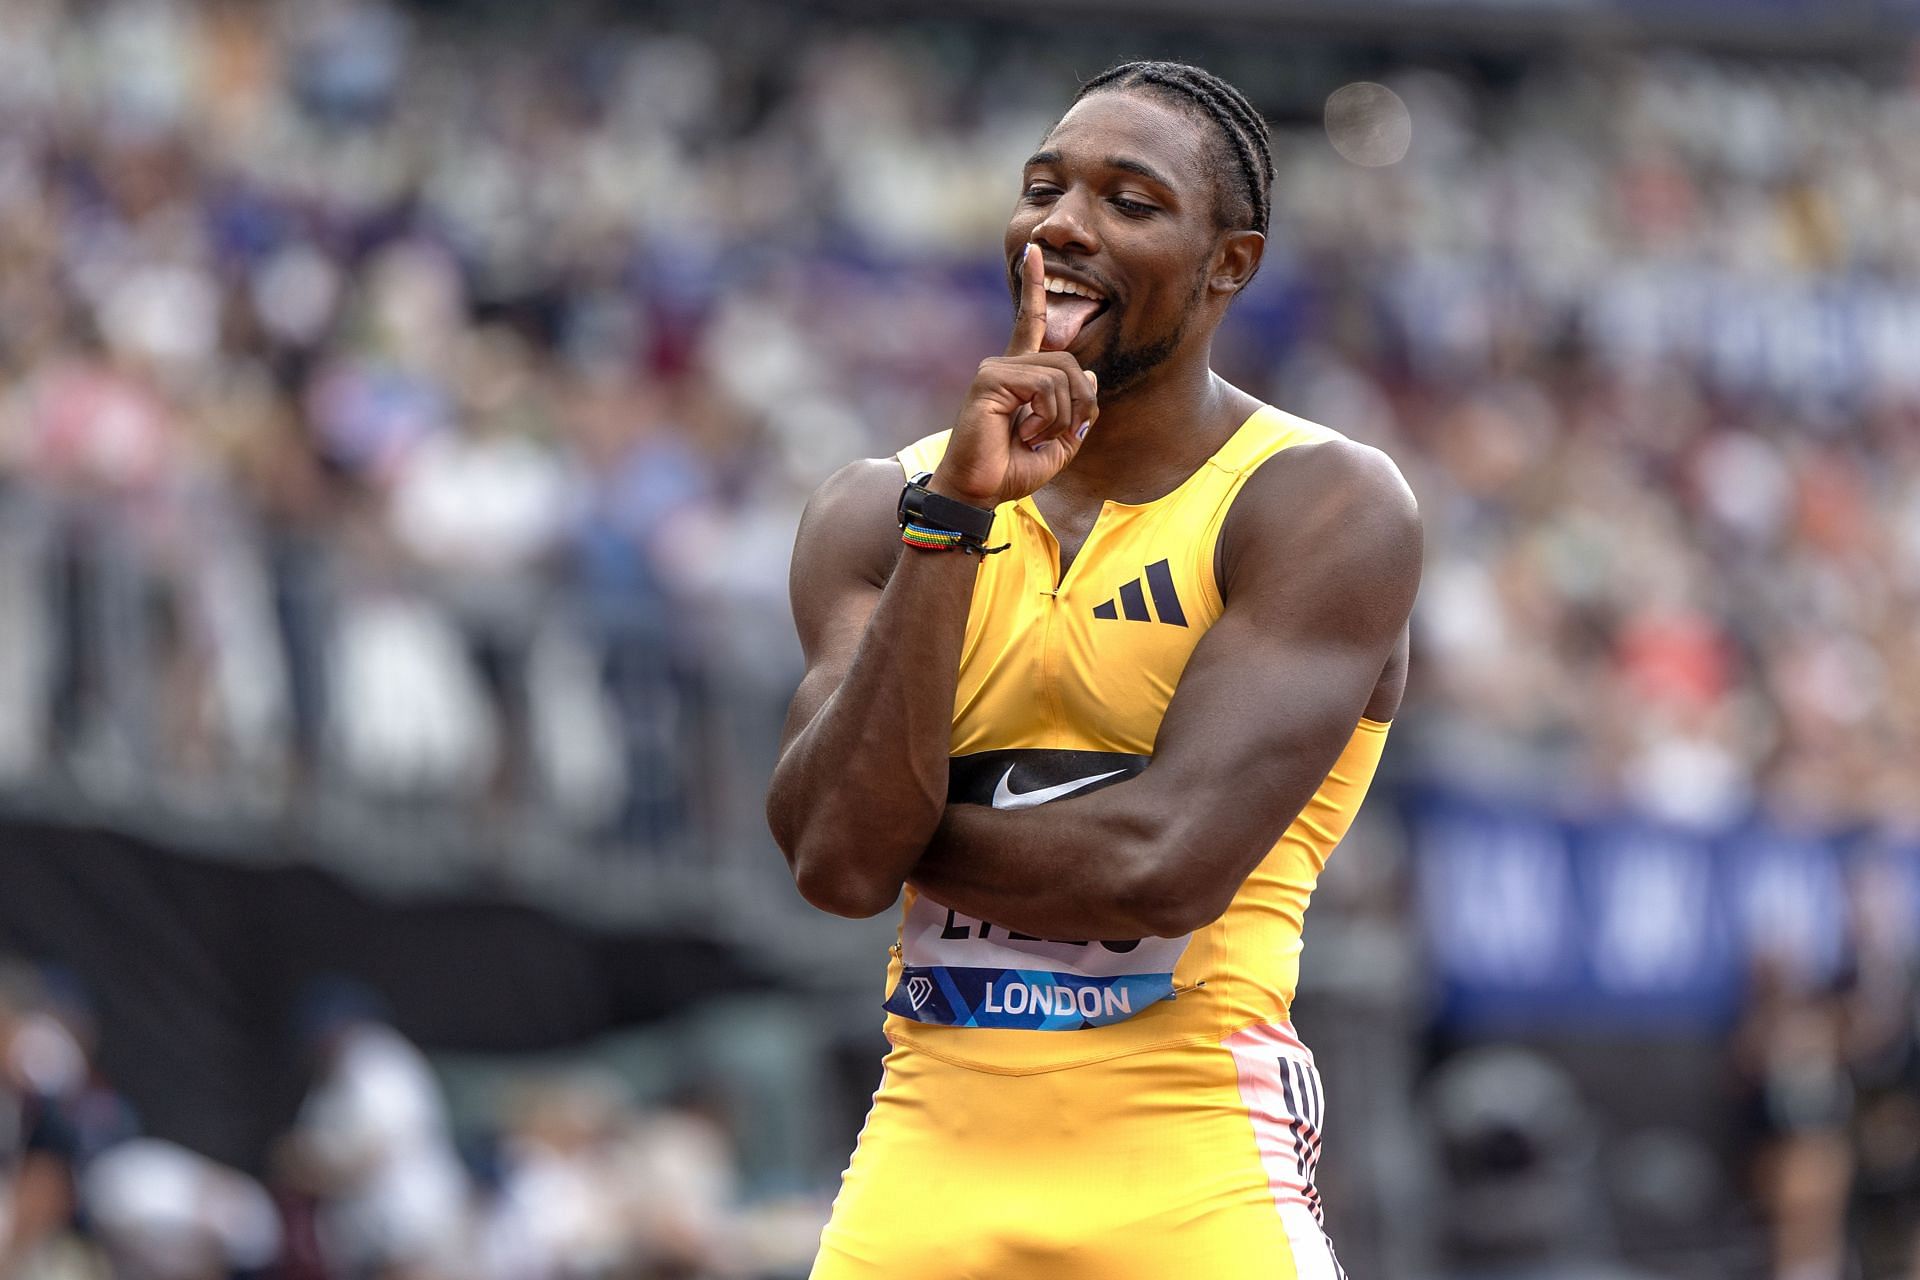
(1259, 717)
(1323, 572)
(843, 553)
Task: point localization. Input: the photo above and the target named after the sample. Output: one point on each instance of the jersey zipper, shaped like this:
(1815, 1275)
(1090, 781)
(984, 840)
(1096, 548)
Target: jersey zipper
(1049, 667)
(1049, 644)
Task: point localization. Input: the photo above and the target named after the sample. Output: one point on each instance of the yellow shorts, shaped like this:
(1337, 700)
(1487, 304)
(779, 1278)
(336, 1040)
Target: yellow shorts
(1195, 1162)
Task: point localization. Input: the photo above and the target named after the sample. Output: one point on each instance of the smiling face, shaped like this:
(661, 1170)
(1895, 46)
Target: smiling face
(1121, 201)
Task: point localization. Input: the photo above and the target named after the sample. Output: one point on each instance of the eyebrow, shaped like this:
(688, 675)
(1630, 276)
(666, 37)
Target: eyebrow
(1126, 163)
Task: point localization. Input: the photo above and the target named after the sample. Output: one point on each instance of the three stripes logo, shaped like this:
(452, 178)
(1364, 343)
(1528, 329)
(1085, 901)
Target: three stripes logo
(1131, 600)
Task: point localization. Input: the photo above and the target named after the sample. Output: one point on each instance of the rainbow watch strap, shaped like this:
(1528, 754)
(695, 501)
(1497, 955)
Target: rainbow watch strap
(929, 539)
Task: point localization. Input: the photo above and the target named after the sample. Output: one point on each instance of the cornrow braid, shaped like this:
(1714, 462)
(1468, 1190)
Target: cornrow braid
(1246, 133)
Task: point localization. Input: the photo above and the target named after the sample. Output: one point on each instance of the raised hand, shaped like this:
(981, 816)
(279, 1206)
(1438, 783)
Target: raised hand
(1026, 413)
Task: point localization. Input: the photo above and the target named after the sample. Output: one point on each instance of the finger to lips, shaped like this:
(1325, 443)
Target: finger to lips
(1030, 320)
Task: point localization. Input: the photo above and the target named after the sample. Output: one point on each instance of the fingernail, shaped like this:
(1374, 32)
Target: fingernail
(1094, 378)
(1081, 434)
(1024, 252)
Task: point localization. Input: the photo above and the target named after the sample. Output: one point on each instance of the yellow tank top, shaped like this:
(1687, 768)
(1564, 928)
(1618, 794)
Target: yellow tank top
(1063, 683)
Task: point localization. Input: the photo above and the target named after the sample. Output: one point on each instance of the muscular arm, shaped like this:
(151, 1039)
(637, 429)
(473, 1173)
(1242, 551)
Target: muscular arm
(862, 776)
(1320, 558)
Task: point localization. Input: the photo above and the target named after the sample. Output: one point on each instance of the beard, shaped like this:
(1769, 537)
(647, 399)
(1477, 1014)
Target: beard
(1120, 367)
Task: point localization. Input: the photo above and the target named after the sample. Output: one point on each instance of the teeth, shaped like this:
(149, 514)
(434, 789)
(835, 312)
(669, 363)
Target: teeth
(1056, 285)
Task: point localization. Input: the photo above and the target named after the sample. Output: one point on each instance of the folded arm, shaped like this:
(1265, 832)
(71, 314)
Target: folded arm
(862, 776)
(1319, 561)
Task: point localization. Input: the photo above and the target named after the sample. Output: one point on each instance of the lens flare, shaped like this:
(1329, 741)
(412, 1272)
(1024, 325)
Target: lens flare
(1369, 124)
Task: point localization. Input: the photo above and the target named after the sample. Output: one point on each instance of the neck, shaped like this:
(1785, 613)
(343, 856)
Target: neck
(1155, 434)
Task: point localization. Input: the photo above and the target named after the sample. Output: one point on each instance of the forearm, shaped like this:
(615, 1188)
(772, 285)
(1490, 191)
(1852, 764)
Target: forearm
(1085, 869)
(861, 786)
(862, 778)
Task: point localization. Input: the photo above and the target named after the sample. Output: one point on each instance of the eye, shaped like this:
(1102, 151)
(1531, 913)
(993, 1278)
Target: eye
(1037, 191)
(1132, 208)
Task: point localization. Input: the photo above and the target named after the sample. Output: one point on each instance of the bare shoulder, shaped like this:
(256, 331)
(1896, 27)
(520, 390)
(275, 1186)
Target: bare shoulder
(1333, 503)
(1325, 478)
(865, 485)
(849, 527)
(844, 553)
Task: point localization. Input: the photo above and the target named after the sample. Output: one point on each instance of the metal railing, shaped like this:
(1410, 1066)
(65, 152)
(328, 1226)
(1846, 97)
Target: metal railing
(263, 696)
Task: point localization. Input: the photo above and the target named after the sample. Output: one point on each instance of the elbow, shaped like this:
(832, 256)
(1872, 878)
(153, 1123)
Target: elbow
(1176, 915)
(1152, 876)
(824, 878)
(1166, 899)
(817, 846)
(839, 891)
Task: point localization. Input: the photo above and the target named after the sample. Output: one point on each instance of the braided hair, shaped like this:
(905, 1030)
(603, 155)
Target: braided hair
(1242, 187)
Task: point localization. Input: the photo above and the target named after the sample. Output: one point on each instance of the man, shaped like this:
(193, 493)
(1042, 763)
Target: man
(1103, 718)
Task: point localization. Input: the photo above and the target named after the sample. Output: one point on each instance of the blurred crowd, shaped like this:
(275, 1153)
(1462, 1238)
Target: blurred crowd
(566, 1177)
(435, 409)
(1643, 339)
(1830, 1082)
(397, 403)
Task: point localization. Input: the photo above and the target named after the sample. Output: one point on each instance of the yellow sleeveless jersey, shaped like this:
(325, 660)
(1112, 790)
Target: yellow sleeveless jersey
(1063, 683)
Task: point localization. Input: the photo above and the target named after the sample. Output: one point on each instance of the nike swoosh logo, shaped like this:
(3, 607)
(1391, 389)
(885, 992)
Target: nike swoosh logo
(1005, 797)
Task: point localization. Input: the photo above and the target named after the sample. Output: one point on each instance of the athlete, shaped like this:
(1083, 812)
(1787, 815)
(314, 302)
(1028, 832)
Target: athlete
(1102, 716)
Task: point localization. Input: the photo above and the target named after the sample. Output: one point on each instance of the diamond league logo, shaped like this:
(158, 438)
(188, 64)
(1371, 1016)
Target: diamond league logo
(918, 989)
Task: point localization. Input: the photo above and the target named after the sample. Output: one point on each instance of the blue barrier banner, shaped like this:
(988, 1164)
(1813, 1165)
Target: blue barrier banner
(1534, 920)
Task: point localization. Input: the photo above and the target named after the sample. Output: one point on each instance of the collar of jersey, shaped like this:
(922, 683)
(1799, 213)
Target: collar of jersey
(1226, 451)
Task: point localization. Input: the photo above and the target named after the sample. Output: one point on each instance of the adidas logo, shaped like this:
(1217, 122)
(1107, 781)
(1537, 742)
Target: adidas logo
(1131, 600)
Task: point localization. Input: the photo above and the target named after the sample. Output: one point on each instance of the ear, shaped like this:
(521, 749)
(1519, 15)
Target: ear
(1235, 259)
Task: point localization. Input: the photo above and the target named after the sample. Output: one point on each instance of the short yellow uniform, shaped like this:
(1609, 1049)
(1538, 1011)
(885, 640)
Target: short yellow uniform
(1141, 1108)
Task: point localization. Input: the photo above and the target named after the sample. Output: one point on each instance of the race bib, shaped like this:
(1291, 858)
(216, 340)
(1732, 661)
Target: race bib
(963, 972)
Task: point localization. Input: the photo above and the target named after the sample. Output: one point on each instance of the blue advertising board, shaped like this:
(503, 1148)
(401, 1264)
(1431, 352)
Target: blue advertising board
(1541, 921)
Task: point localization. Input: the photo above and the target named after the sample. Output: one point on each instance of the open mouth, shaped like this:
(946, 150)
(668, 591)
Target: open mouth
(1071, 307)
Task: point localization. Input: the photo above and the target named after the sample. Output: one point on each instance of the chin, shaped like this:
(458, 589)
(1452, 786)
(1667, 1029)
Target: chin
(1103, 362)
(1121, 369)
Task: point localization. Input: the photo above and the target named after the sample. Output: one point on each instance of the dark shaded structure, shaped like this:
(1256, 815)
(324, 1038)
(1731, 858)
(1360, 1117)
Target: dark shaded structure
(199, 971)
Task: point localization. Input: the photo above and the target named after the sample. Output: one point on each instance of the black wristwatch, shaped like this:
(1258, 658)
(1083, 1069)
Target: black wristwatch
(920, 505)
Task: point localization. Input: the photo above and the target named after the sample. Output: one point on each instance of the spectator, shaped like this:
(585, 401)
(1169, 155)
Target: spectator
(593, 1185)
(372, 1150)
(1790, 1053)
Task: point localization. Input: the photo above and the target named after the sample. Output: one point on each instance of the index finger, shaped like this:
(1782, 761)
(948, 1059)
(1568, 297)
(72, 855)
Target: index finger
(1030, 317)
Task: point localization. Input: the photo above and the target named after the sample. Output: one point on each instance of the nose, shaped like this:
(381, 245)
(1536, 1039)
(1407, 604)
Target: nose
(1067, 228)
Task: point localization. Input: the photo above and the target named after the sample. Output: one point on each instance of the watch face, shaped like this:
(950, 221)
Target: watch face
(911, 498)
(971, 523)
